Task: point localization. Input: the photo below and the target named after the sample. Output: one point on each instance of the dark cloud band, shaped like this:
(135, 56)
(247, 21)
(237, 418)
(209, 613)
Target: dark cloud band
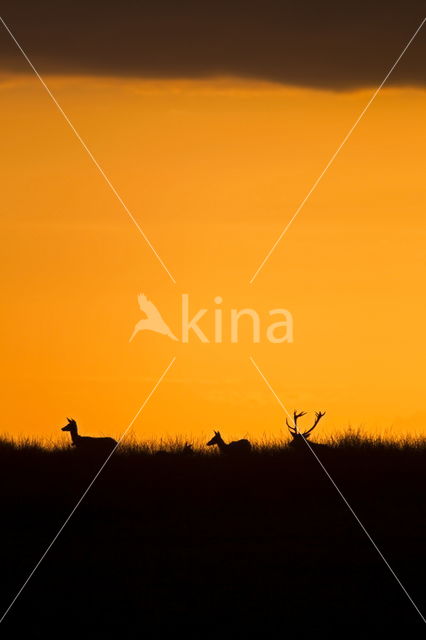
(335, 45)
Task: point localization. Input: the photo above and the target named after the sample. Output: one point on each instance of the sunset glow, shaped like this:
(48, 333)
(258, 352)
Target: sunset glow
(212, 170)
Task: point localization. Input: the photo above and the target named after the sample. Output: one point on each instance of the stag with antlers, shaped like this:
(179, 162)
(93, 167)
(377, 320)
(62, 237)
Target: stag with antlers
(300, 436)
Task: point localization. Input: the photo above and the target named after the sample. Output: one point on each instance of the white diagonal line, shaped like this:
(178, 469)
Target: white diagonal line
(333, 157)
(90, 154)
(341, 494)
(80, 500)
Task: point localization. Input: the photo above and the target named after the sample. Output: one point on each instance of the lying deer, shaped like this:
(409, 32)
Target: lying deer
(186, 450)
(299, 437)
(86, 443)
(238, 447)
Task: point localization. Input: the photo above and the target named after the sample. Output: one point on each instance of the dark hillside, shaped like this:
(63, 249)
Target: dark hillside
(213, 547)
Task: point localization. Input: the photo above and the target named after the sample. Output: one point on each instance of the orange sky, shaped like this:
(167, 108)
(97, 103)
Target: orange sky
(212, 170)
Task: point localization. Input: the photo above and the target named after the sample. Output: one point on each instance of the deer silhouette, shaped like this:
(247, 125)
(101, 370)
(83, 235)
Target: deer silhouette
(298, 436)
(86, 443)
(238, 447)
(188, 450)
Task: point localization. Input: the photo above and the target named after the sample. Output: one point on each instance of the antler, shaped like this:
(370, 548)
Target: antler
(293, 428)
(318, 416)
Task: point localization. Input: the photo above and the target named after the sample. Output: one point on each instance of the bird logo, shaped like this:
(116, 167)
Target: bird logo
(153, 320)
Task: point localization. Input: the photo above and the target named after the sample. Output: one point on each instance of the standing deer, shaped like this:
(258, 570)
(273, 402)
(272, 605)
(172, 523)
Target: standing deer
(238, 447)
(299, 437)
(86, 443)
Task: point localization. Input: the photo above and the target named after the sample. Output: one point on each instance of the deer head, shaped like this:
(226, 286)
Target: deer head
(298, 435)
(70, 426)
(215, 440)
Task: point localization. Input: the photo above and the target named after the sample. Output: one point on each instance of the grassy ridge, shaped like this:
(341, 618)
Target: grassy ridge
(215, 547)
(351, 438)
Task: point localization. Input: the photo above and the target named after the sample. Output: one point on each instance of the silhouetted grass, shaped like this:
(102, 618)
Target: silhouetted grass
(350, 439)
(213, 547)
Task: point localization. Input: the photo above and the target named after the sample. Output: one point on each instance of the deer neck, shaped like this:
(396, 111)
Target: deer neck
(221, 444)
(74, 437)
